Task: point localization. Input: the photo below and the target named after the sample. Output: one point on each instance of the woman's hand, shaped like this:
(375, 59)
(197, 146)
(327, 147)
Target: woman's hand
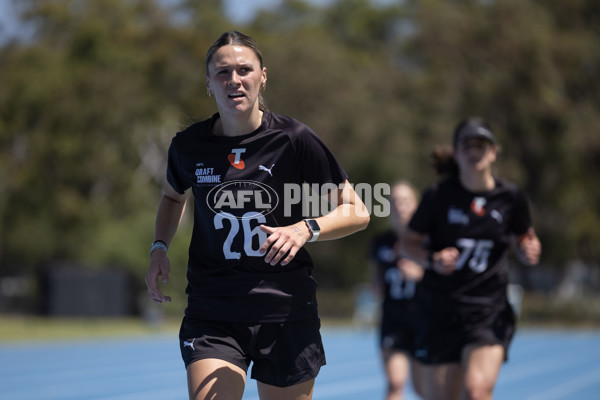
(529, 247)
(444, 261)
(410, 269)
(284, 240)
(159, 267)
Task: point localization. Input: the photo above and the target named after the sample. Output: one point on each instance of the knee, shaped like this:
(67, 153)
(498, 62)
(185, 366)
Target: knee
(478, 394)
(479, 388)
(395, 388)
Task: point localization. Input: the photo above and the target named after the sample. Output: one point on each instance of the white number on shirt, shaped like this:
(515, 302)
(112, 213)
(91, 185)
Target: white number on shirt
(247, 231)
(476, 251)
(399, 288)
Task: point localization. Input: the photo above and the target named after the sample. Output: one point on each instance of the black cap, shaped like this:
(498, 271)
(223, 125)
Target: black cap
(473, 128)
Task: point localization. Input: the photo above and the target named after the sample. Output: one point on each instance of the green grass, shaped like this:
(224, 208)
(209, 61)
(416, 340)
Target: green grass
(538, 311)
(21, 328)
(549, 311)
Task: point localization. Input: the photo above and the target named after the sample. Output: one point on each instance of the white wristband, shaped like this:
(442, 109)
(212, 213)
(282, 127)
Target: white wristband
(158, 245)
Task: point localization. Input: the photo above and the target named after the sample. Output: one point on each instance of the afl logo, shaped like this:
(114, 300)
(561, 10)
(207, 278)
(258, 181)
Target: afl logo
(242, 199)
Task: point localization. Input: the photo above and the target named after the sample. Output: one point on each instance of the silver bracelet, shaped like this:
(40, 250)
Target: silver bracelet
(159, 244)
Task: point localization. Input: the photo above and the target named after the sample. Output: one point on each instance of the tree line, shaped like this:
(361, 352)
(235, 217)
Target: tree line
(92, 92)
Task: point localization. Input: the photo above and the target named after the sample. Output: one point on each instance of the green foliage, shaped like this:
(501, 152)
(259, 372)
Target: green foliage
(93, 94)
(536, 80)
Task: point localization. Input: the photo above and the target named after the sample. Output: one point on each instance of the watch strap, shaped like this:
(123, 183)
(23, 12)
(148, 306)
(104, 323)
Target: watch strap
(315, 232)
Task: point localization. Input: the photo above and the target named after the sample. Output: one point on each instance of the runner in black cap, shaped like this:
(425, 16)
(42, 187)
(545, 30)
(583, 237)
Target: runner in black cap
(460, 233)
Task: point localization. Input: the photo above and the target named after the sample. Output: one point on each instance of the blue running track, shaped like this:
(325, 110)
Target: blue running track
(543, 365)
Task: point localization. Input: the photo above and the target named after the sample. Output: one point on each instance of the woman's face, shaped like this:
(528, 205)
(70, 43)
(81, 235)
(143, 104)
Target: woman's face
(404, 203)
(235, 77)
(475, 154)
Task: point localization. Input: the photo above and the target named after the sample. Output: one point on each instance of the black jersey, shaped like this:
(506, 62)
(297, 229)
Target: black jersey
(480, 226)
(384, 252)
(239, 183)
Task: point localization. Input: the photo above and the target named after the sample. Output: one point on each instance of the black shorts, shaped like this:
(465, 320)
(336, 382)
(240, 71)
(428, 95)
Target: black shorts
(282, 354)
(397, 328)
(441, 338)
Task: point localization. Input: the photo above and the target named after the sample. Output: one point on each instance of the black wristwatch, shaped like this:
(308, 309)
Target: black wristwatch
(314, 228)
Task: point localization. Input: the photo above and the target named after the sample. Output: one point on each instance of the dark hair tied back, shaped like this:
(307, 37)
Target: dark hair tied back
(443, 161)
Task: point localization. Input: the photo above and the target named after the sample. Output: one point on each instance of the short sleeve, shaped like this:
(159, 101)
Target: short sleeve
(175, 175)
(521, 216)
(317, 162)
(422, 219)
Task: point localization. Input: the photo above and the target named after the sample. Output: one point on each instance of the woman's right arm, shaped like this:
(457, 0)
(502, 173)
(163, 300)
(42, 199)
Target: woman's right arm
(412, 247)
(443, 261)
(168, 216)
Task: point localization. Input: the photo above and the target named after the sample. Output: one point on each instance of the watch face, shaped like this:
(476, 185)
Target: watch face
(314, 226)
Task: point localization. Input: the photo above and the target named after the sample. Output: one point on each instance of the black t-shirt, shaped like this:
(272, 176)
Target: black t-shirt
(384, 253)
(480, 226)
(239, 183)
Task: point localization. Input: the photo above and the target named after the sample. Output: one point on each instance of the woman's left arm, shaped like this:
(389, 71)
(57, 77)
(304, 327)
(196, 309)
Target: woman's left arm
(528, 247)
(350, 215)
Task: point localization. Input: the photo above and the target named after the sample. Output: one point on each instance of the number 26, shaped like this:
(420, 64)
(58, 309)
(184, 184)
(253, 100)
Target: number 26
(247, 231)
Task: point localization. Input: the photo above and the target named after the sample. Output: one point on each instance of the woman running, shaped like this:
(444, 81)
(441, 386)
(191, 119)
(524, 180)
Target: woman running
(460, 233)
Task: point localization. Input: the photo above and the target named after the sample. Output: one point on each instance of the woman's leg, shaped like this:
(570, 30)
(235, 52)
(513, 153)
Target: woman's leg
(397, 368)
(482, 365)
(300, 391)
(214, 379)
(442, 381)
(416, 371)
